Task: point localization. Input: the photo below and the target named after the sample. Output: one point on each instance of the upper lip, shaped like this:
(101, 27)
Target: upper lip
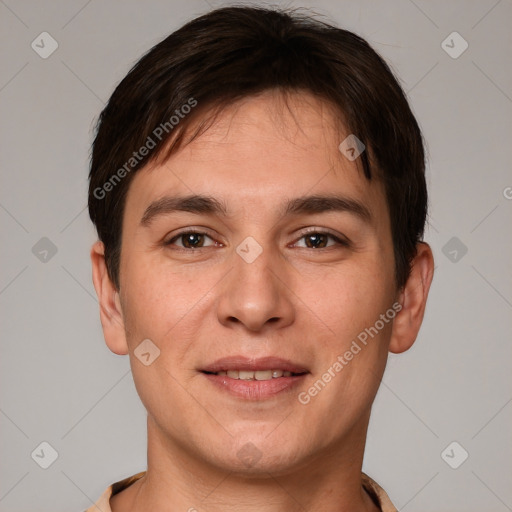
(253, 364)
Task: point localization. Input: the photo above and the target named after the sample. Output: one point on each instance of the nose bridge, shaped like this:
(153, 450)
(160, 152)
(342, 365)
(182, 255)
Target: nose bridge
(254, 293)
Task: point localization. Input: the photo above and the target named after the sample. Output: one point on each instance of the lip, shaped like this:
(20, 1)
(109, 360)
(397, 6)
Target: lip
(254, 390)
(252, 364)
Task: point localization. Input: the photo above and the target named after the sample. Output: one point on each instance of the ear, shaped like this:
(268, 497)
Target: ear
(111, 314)
(413, 299)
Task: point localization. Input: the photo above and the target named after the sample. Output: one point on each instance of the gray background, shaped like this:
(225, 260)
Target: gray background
(60, 383)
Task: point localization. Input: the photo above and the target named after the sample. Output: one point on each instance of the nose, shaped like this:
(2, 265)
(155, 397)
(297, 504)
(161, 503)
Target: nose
(257, 295)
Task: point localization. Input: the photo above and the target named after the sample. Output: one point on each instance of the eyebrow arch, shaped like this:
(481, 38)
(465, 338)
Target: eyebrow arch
(192, 203)
(326, 203)
(200, 204)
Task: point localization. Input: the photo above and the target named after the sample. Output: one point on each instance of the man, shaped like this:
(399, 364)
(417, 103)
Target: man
(257, 184)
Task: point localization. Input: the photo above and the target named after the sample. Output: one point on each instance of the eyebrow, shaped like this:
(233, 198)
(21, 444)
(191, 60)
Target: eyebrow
(326, 203)
(193, 204)
(201, 204)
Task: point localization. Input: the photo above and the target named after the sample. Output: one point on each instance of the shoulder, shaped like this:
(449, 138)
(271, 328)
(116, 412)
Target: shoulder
(103, 502)
(378, 494)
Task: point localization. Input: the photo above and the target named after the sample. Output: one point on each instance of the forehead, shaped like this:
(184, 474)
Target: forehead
(257, 151)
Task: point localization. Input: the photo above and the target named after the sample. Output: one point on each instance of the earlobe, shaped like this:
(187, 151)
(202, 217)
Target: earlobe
(413, 299)
(111, 315)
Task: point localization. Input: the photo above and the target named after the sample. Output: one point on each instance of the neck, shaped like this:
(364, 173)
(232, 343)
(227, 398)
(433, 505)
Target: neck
(178, 480)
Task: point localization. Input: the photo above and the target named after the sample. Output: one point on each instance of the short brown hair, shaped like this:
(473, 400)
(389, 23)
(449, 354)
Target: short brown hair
(235, 52)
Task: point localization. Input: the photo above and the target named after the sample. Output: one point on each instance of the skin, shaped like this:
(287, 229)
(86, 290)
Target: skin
(295, 301)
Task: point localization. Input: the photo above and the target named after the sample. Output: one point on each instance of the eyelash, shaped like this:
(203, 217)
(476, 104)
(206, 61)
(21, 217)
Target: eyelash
(340, 241)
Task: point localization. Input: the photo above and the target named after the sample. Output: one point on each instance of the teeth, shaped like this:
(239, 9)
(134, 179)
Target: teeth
(255, 375)
(263, 375)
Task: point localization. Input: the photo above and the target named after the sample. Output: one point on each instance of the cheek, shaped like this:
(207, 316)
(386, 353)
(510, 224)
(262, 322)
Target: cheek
(165, 305)
(353, 297)
(165, 310)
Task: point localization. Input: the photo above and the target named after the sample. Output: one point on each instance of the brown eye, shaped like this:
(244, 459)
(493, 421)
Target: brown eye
(190, 240)
(316, 240)
(321, 240)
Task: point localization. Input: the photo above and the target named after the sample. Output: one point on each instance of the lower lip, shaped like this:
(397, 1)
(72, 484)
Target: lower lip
(255, 389)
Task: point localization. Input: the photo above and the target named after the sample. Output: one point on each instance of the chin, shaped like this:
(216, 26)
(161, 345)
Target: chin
(257, 456)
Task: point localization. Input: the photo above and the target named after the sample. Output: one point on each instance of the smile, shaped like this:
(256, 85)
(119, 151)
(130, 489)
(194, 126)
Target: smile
(255, 379)
(256, 375)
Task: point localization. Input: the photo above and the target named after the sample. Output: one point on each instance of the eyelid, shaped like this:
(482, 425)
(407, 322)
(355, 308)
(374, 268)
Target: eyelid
(169, 240)
(338, 237)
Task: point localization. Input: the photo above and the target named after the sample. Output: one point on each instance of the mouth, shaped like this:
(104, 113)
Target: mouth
(255, 375)
(254, 379)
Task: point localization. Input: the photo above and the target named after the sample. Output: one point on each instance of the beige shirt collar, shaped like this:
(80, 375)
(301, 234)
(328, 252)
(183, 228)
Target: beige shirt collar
(376, 492)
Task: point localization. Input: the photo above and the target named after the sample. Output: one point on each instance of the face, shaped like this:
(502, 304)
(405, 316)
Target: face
(255, 291)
